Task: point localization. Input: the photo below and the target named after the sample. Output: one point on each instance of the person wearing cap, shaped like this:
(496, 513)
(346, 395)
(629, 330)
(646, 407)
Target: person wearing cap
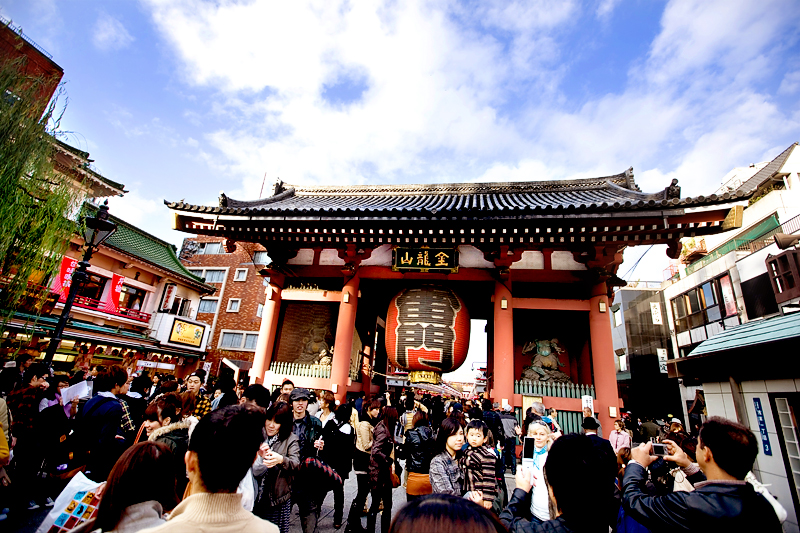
(511, 430)
(308, 430)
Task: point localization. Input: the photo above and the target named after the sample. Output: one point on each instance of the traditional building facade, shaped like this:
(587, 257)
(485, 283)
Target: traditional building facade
(537, 260)
(138, 308)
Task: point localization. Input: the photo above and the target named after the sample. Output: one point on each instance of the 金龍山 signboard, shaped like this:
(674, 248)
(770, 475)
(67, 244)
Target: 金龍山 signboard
(187, 333)
(425, 259)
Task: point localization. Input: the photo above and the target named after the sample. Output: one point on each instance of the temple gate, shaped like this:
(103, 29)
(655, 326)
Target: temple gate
(537, 260)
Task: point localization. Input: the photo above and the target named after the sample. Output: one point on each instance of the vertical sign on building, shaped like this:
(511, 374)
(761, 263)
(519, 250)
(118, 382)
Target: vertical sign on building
(762, 427)
(587, 402)
(64, 280)
(112, 304)
(728, 297)
(655, 310)
(662, 359)
(169, 297)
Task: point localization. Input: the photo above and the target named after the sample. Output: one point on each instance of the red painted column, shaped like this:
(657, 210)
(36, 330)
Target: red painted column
(345, 327)
(267, 332)
(605, 373)
(503, 356)
(585, 365)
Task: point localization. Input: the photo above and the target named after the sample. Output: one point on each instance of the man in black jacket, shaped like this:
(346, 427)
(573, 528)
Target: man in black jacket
(726, 452)
(305, 488)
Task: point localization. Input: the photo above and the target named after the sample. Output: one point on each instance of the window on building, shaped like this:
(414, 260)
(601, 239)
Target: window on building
(260, 258)
(704, 304)
(215, 276)
(238, 340)
(131, 298)
(233, 305)
(260, 310)
(250, 341)
(198, 273)
(231, 340)
(618, 318)
(207, 305)
(240, 275)
(208, 248)
(93, 287)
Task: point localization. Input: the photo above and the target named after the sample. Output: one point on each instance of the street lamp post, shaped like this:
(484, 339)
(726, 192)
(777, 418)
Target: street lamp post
(97, 230)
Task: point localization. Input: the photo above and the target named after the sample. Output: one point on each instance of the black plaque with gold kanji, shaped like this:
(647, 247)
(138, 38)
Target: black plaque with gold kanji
(425, 259)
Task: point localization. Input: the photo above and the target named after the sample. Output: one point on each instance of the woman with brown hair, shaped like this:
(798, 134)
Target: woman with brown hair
(327, 404)
(381, 466)
(139, 489)
(163, 423)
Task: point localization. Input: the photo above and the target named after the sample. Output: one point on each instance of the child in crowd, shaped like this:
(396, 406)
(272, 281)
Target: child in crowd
(478, 464)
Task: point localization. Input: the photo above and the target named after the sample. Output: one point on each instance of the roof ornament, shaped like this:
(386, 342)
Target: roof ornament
(629, 179)
(223, 200)
(279, 188)
(673, 190)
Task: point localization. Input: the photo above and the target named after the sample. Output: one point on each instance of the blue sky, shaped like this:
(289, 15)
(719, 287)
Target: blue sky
(180, 99)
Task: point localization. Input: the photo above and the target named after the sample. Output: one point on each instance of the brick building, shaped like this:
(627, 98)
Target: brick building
(234, 310)
(37, 63)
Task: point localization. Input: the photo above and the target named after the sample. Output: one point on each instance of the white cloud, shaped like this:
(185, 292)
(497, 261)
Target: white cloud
(437, 78)
(790, 83)
(605, 8)
(110, 34)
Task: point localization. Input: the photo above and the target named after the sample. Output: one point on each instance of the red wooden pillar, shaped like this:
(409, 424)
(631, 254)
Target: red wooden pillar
(585, 365)
(503, 356)
(267, 332)
(343, 346)
(605, 373)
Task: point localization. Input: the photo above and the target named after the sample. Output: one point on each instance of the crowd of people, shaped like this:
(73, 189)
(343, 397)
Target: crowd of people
(177, 457)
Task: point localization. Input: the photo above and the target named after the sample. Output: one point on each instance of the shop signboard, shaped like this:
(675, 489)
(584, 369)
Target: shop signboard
(727, 295)
(662, 360)
(187, 333)
(169, 296)
(655, 310)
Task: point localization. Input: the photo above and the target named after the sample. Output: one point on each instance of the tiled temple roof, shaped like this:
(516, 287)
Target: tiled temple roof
(617, 193)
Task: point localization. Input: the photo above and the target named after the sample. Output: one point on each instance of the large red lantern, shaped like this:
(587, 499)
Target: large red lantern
(427, 333)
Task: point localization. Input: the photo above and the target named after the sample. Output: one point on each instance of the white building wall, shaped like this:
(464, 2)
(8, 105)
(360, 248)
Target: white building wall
(769, 469)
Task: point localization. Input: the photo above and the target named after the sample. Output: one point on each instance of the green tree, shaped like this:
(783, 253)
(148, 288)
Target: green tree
(35, 199)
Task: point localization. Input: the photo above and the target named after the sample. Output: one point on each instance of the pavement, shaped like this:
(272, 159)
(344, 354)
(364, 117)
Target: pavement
(25, 521)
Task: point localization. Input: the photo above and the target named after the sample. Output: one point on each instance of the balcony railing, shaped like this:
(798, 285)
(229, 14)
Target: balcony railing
(554, 390)
(91, 303)
(283, 368)
(748, 246)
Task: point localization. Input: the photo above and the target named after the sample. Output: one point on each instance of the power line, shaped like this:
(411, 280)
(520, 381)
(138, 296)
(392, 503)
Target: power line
(631, 269)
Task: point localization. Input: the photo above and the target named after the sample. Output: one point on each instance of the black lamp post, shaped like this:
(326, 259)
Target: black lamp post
(97, 230)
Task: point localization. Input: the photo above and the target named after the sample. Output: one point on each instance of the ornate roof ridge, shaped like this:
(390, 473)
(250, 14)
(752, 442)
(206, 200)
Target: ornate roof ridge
(623, 179)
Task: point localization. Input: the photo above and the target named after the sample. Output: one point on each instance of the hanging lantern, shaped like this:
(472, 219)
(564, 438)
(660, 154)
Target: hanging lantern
(427, 333)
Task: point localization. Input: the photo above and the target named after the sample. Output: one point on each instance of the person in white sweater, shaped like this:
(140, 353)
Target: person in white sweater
(222, 447)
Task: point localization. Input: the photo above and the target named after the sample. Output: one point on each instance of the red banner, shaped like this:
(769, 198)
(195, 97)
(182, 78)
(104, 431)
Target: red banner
(63, 282)
(112, 303)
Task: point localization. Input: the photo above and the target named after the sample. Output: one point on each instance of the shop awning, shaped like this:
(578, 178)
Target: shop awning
(751, 351)
(752, 334)
(93, 333)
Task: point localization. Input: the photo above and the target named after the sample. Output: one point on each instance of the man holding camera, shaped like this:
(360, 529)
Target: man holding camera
(726, 452)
